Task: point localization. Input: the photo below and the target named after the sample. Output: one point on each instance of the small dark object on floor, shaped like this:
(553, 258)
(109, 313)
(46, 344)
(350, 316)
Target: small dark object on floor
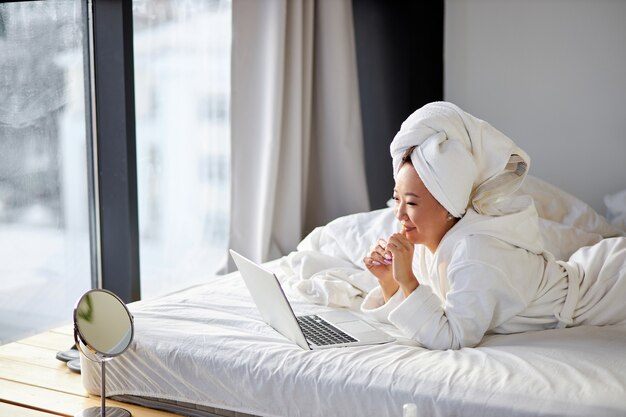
(74, 365)
(68, 355)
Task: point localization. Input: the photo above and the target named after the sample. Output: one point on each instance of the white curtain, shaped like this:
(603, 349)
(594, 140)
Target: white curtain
(296, 141)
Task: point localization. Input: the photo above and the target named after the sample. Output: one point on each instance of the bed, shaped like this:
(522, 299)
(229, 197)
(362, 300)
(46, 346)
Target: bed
(205, 351)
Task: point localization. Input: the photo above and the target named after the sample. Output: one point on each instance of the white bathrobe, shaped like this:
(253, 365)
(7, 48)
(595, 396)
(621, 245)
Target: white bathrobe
(491, 275)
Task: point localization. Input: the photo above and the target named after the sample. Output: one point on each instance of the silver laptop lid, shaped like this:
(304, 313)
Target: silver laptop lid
(270, 299)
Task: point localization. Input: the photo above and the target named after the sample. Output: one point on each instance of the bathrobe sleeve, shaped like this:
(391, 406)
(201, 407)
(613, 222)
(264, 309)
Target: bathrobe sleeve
(374, 304)
(484, 290)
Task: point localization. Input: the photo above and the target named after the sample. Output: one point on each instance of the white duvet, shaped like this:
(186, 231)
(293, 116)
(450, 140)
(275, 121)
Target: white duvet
(208, 345)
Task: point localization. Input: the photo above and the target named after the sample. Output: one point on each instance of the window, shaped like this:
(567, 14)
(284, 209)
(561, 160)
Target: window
(182, 96)
(64, 229)
(45, 252)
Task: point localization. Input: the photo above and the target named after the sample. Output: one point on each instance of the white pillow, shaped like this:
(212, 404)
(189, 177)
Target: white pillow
(561, 207)
(566, 222)
(616, 209)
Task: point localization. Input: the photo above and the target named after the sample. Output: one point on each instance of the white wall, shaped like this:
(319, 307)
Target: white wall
(551, 74)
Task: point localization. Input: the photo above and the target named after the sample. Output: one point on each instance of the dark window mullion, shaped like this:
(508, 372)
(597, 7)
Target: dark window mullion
(116, 150)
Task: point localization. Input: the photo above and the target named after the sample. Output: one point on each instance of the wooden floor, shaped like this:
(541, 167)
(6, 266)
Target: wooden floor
(33, 383)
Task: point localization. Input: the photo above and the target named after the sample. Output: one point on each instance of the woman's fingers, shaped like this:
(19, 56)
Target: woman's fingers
(369, 262)
(379, 253)
(398, 241)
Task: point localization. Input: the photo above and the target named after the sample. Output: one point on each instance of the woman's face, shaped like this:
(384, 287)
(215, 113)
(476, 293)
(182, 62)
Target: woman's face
(425, 220)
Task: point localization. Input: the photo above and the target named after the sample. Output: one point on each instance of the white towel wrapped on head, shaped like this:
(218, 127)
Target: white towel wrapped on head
(461, 159)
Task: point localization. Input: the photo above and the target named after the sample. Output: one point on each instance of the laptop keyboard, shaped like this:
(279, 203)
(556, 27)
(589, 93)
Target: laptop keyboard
(321, 333)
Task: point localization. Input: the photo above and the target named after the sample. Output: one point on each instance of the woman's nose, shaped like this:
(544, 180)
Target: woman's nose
(400, 212)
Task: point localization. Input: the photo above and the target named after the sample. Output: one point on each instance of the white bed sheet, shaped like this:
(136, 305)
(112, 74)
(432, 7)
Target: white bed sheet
(207, 345)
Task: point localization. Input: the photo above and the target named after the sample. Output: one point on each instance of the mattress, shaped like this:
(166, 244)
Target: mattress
(207, 348)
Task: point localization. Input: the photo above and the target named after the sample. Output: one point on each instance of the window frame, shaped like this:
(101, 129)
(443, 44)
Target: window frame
(114, 152)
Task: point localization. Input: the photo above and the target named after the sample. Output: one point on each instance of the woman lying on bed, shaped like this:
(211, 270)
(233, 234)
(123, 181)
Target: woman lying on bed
(481, 257)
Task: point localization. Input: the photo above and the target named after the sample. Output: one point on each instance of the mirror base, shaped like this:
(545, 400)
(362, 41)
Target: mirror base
(110, 412)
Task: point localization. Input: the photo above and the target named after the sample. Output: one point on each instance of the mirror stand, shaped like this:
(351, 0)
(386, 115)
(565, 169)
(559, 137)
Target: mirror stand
(103, 410)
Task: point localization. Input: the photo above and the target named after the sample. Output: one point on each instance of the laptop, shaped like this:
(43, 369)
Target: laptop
(335, 328)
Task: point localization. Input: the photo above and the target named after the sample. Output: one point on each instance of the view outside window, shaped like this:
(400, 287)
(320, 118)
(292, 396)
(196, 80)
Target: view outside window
(45, 261)
(182, 93)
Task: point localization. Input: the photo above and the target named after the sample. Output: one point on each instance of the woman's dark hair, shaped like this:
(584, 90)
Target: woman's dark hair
(407, 155)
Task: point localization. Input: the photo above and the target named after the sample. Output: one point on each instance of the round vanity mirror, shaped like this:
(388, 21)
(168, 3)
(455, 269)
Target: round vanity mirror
(103, 323)
(103, 329)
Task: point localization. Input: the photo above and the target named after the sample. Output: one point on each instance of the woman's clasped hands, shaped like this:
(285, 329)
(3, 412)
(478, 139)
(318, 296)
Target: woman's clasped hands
(391, 263)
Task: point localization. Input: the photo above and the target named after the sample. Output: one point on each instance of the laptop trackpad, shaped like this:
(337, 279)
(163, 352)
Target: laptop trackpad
(355, 327)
